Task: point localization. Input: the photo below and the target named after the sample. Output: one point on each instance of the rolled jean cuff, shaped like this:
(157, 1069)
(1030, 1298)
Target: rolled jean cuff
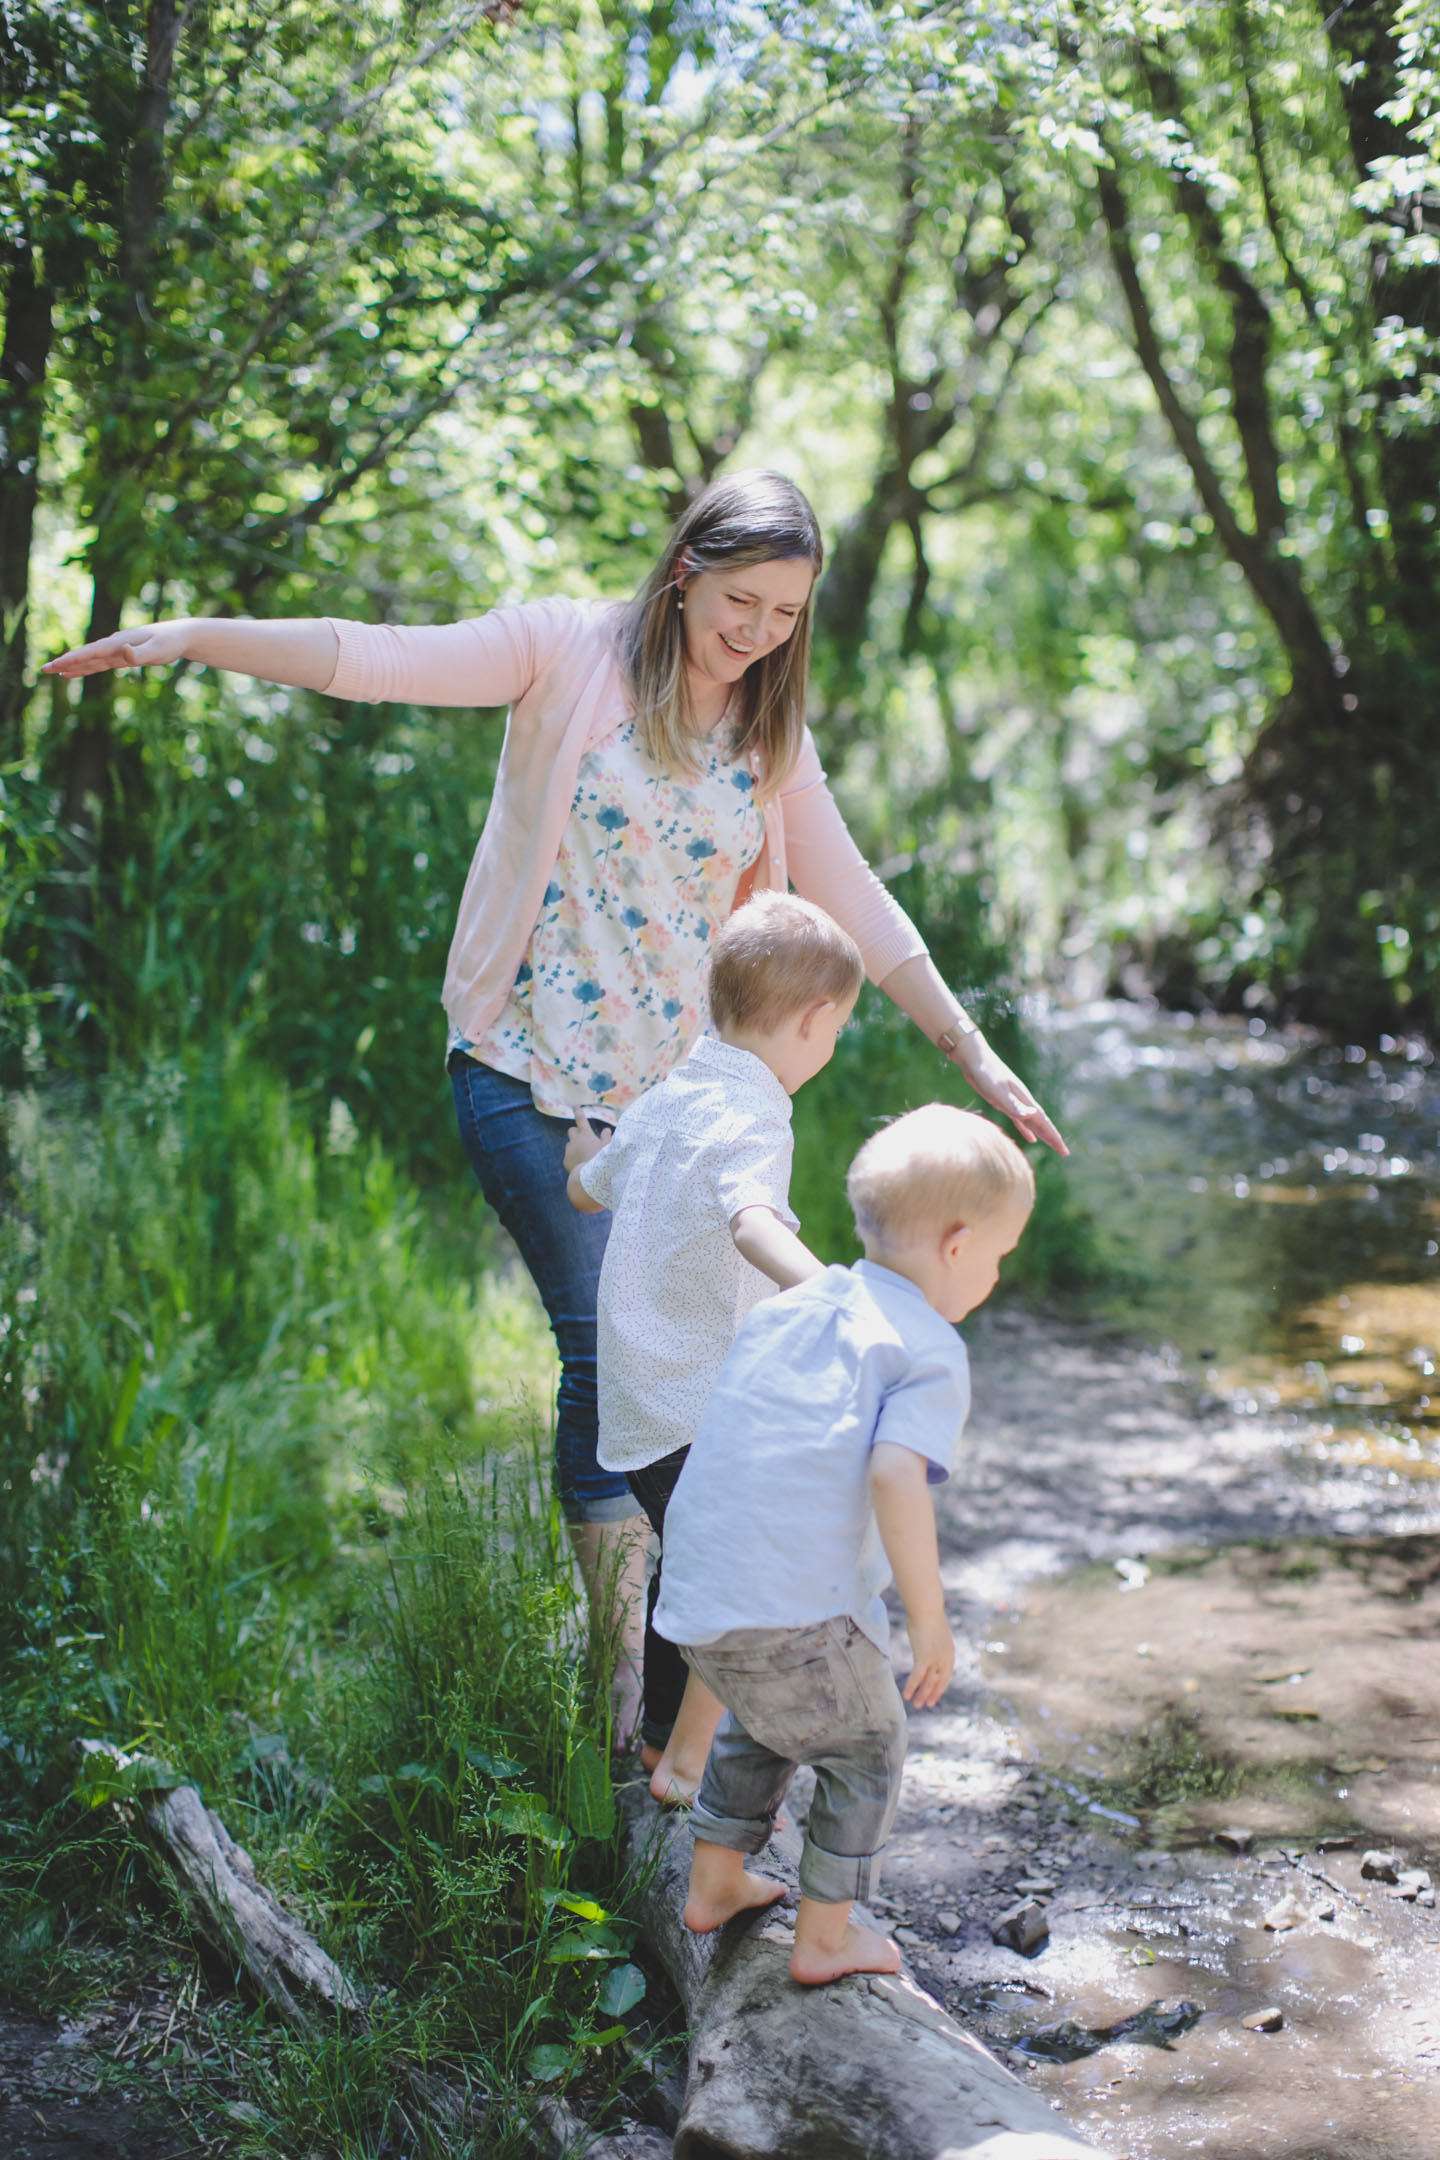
(740, 1835)
(608, 1507)
(837, 1878)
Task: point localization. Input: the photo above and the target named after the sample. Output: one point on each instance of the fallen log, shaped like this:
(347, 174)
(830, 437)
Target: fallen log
(233, 1909)
(230, 1905)
(868, 2068)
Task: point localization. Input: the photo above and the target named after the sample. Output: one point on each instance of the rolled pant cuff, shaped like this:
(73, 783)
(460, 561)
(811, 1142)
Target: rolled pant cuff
(741, 1835)
(615, 1507)
(837, 1878)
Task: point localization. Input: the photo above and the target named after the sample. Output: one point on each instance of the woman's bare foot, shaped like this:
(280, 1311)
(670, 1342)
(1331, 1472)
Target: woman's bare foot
(668, 1783)
(860, 1950)
(676, 1773)
(706, 1911)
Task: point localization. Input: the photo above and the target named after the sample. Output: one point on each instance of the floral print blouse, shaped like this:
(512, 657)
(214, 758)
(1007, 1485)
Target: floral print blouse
(611, 992)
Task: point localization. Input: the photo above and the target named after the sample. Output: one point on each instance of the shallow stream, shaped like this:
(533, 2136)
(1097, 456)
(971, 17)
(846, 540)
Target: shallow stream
(1274, 1205)
(1192, 1555)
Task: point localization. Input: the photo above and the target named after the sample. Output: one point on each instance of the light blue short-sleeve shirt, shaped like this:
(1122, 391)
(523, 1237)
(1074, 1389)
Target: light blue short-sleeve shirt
(772, 1524)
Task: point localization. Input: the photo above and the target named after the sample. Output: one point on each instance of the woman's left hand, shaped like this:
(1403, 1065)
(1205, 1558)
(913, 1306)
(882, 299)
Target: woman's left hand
(991, 1077)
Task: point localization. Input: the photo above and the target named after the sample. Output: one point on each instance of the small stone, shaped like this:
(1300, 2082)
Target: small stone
(1236, 1841)
(1024, 1928)
(908, 1936)
(1325, 1911)
(1288, 1913)
(1378, 1866)
(1267, 2020)
(1036, 1886)
(1412, 1881)
(948, 1922)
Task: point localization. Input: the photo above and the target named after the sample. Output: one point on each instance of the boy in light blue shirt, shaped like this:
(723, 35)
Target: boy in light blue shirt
(806, 1489)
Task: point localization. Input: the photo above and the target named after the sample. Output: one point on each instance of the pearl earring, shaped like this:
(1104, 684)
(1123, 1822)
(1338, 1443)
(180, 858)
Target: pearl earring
(680, 602)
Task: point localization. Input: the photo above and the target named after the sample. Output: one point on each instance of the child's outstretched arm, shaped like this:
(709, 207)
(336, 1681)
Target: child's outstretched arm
(903, 1510)
(768, 1244)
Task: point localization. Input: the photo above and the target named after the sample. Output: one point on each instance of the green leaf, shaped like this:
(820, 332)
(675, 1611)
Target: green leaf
(548, 2061)
(620, 1991)
(584, 1908)
(124, 1404)
(526, 1815)
(578, 1949)
(101, 1778)
(589, 1799)
(496, 1766)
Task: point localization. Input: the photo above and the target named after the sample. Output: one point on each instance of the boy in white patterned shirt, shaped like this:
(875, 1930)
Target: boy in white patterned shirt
(697, 1176)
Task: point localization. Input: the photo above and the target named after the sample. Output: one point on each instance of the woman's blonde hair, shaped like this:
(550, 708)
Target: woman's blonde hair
(933, 1169)
(744, 518)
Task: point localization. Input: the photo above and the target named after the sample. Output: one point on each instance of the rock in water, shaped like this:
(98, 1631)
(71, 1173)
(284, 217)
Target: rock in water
(1378, 1866)
(1268, 2020)
(1024, 1928)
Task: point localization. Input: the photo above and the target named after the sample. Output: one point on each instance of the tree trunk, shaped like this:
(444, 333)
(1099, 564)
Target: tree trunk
(869, 2068)
(1362, 38)
(118, 489)
(24, 358)
(1256, 547)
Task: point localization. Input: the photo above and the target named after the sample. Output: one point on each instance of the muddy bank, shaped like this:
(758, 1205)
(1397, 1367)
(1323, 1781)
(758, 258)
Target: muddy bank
(1254, 1556)
(94, 2087)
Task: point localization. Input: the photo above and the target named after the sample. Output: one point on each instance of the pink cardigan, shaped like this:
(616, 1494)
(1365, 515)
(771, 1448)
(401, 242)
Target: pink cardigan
(553, 662)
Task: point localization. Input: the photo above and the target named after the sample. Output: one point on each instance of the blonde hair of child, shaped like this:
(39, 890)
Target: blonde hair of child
(776, 956)
(931, 1170)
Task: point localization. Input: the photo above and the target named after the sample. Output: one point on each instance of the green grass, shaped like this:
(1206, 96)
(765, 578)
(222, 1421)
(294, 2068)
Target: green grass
(274, 1508)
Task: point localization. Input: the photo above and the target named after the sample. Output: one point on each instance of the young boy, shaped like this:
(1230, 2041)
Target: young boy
(836, 1407)
(697, 1177)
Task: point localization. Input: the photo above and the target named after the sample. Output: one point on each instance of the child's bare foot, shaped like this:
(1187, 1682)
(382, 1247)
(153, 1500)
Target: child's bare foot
(860, 1950)
(707, 1909)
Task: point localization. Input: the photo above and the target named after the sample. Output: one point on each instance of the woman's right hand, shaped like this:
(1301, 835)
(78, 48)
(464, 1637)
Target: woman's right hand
(154, 645)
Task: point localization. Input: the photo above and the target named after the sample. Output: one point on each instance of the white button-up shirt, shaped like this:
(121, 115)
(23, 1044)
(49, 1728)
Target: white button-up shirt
(714, 1137)
(772, 1524)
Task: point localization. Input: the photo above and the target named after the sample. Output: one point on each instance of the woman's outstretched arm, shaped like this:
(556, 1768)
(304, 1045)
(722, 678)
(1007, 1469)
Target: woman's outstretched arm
(827, 867)
(920, 991)
(300, 653)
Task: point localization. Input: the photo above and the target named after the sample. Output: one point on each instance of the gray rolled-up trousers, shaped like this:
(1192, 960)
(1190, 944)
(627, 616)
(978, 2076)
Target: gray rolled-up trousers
(823, 1695)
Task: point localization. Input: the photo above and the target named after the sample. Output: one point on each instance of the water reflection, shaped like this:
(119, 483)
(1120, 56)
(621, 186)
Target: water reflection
(1274, 1201)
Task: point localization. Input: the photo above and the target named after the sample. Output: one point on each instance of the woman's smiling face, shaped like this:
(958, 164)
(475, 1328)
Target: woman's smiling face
(734, 617)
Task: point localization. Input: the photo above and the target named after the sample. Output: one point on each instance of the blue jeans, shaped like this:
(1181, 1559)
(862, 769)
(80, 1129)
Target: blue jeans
(517, 1154)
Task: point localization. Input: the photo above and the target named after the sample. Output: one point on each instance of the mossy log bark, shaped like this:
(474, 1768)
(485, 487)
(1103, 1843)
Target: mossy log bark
(870, 2068)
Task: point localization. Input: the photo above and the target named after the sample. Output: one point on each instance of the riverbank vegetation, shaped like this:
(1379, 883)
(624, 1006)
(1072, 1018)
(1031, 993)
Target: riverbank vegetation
(1104, 339)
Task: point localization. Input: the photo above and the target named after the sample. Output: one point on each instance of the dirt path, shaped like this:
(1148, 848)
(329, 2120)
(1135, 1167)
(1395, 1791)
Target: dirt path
(1174, 1703)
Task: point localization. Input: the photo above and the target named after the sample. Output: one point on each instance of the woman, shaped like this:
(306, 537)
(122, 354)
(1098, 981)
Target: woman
(656, 769)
